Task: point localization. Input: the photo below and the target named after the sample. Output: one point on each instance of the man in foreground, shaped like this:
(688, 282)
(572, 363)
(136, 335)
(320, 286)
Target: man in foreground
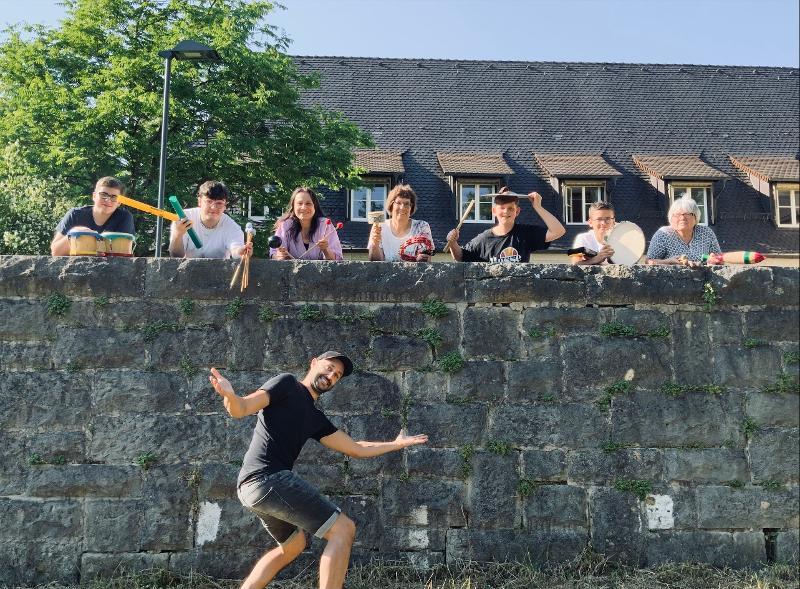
(286, 504)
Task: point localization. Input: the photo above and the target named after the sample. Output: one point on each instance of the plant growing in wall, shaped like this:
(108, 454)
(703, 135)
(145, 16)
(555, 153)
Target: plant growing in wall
(58, 304)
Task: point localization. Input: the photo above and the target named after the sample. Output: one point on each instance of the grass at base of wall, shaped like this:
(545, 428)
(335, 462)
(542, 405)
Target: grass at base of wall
(588, 572)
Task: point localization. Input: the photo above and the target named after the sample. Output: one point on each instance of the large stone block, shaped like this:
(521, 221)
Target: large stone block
(787, 546)
(749, 507)
(544, 465)
(745, 285)
(98, 565)
(24, 320)
(538, 379)
(362, 392)
(27, 276)
(616, 524)
(35, 520)
(506, 283)
(494, 490)
(653, 419)
(725, 327)
(448, 425)
(560, 321)
(661, 285)
(415, 540)
(597, 362)
(491, 332)
(707, 465)
(743, 368)
(691, 344)
(426, 387)
(97, 347)
(83, 480)
(171, 438)
(571, 425)
(773, 325)
(538, 545)
(478, 381)
(719, 549)
(221, 563)
(29, 562)
(556, 506)
(25, 356)
(774, 456)
(768, 409)
(136, 391)
(443, 462)
(436, 503)
(399, 352)
(599, 467)
(57, 447)
(785, 287)
(113, 525)
(63, 399)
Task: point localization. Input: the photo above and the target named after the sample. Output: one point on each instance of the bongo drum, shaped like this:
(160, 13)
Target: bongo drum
(83, 242)
(118, 244)
(628, 243)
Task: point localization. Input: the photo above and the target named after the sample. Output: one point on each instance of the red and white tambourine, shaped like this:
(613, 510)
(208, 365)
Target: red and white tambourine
(413, 246)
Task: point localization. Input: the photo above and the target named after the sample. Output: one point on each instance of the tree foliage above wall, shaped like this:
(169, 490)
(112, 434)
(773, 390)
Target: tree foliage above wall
(84, 100)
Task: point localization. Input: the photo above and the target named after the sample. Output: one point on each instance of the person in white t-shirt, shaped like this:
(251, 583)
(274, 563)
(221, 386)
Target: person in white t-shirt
(601, 220)
(386, 240)
(220, 235)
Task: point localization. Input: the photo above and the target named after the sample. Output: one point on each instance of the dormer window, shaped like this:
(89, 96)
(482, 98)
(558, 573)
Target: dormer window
(473, 176)
(778, 178)
(580, 179)
(676, 176)
(367, 198)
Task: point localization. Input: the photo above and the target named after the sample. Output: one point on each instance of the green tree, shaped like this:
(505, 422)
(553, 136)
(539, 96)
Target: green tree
(84, 100)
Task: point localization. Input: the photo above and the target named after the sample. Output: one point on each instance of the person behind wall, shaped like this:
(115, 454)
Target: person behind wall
(304, 230)
(287, 505)
(683, 241)
(220, 235)
(386, 239)
(103, 215)
(602, 221)
(508, 241)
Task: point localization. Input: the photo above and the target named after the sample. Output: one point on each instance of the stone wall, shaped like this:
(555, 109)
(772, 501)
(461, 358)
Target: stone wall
(649, 414)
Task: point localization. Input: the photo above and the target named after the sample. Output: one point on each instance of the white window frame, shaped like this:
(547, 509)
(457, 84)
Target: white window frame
(583, 184)
(494, 186)
(794, 198)
(704, 207)
(369, 183)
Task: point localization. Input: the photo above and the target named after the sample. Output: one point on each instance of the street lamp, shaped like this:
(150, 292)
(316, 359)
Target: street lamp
(187, 51)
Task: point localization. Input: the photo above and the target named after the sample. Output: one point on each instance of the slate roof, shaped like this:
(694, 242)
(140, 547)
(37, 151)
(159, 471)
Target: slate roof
(479, 164)
(559, 165)
(423, 107)
(769, 169)
(379, 161)
(670, 167)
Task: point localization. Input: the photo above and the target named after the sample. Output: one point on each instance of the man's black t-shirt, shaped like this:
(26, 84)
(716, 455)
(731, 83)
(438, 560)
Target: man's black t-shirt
(515, 246)
(120, 221)
(283, 427)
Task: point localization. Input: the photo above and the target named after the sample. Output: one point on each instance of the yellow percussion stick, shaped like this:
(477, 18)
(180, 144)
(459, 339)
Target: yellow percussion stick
(136, 204)
(461, 222)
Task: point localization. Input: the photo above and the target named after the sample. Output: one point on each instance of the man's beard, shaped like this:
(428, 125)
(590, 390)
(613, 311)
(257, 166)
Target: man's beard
(321, 384)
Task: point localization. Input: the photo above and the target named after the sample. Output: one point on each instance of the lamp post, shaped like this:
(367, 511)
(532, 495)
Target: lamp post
(187, 51)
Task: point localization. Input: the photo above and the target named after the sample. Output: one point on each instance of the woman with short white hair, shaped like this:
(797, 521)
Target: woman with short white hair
(683, 241)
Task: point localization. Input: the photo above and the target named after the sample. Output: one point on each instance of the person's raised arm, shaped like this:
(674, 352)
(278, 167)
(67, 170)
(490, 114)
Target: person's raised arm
(176, 232)
(455, 249)
(235, 405)
(341, 442)
(554, 227)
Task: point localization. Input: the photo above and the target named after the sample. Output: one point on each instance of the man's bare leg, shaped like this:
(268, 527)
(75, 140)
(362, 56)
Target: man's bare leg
(336, 556)
(274, 560)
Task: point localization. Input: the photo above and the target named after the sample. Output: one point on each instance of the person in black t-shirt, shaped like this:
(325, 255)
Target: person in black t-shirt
(508, 241)
(103, 215)
(285, 503)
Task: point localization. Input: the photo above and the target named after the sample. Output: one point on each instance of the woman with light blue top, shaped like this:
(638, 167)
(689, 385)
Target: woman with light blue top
(683, 241)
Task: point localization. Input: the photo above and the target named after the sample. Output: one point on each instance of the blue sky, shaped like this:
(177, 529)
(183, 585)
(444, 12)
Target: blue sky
(722, 32)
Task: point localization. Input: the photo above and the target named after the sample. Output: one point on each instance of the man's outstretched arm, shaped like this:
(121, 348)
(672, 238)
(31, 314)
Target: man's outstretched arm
(341, 442)
(235, 405)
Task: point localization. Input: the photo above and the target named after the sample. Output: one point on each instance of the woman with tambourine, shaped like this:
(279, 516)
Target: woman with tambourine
(400, 238)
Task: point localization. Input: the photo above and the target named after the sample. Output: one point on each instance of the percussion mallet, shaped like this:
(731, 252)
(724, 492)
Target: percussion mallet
(333, 228)
(461, 222)
(246, 276)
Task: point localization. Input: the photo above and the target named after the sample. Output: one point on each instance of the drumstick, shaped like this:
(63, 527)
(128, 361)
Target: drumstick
(124, 200)
(461, 222)
(339, 225)
(246, 276)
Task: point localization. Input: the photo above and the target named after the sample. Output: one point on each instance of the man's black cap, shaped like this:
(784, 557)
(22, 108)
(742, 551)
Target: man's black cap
(332, 355)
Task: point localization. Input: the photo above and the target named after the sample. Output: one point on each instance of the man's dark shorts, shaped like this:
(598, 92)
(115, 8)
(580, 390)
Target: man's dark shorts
(285, 503)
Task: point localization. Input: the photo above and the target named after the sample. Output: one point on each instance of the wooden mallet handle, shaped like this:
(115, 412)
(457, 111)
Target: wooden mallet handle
(461, 222)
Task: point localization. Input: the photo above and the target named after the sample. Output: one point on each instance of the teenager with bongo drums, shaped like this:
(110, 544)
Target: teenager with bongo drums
(288, 506)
